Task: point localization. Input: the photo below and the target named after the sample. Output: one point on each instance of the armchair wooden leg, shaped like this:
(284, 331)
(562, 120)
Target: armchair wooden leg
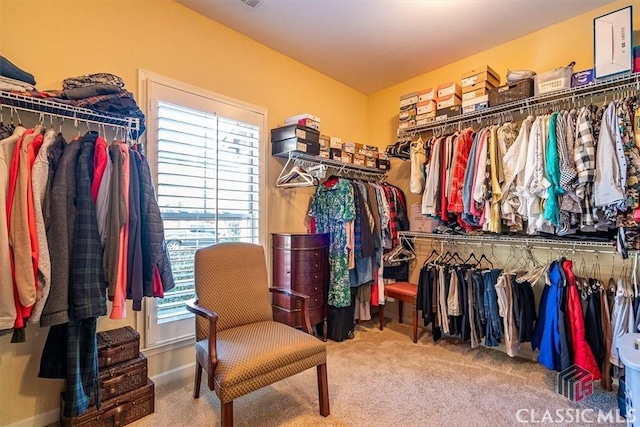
(381, 315)
(197, 381)
(400, 311)
(323, 390)
(415, 323)
(226, 412)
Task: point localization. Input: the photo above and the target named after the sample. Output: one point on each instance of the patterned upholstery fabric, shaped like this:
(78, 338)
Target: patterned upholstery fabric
(231, 279)
(253, 351)
(256, 355)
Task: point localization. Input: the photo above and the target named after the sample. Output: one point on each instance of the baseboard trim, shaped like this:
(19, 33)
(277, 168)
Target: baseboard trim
(175, 374)
(40, 420)
(50, 417)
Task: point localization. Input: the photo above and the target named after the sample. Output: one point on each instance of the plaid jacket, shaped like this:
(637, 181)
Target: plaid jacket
(584, 154)
(88, 298)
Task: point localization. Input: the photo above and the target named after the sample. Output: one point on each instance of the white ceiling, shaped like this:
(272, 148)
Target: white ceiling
(373, 44)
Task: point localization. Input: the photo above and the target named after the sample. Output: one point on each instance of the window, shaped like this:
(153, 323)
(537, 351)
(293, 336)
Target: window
(207, 157)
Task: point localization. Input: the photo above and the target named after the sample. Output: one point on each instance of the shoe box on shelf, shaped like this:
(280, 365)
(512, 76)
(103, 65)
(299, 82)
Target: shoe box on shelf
(126, 392)
(476, 86)
(295, 137)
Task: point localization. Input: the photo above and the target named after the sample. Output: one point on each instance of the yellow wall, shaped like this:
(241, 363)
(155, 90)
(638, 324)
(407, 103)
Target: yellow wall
(73, 37)
(64, 38)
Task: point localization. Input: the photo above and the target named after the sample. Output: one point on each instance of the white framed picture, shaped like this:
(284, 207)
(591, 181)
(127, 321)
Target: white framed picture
(613, 43)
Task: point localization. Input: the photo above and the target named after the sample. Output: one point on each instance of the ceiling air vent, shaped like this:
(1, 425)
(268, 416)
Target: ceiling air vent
(252, 3)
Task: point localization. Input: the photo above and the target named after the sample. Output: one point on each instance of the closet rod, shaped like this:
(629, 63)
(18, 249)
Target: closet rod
(71, 118)
(533, 242)
(43, 105)
(529, 246)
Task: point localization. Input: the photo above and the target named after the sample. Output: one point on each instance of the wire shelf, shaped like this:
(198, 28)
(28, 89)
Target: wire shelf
(47, 106)
(627, 81)
(339, 168)
(531, 241)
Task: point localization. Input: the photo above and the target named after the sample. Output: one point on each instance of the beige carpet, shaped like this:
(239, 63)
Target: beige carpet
(380, 378)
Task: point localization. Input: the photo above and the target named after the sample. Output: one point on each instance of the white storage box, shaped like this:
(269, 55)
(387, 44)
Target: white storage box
(419, 222)
(551, 81)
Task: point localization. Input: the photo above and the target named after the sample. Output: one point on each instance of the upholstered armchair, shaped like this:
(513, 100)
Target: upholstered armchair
(238, 343)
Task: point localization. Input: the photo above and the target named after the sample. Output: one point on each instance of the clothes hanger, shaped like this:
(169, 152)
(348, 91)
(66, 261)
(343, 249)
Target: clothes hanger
(402, 255)
(287, 180)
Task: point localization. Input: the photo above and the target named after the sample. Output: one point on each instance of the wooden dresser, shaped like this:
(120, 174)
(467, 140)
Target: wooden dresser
(301, 263)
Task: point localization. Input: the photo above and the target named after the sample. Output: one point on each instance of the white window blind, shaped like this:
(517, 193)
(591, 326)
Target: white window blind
(207, 158)
(208, 190)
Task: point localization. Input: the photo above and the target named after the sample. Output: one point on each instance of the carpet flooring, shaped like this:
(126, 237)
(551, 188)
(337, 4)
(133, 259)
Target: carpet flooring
(381, 378)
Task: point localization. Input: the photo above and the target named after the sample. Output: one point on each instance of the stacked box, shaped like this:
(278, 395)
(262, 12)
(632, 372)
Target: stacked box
(294, 137)
(408, 110)
(476, 85)
(126, 393)
(306, 119)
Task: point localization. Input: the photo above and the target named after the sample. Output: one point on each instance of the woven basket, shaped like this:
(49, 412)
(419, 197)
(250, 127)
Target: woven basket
(119, 379)
(511, 92)
(117, 345)
(119, 411)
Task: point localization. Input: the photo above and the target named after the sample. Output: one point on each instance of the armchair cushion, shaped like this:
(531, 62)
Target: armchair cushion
(255, 355)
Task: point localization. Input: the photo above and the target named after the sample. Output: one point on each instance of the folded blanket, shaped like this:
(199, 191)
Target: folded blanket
(92, 79)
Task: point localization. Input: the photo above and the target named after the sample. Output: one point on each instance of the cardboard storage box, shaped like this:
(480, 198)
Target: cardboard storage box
(310, 123)
(407, 115)
(282, 148)
(335, 142)
(481, 74)
(295, 119)
(302, 133)
(425, 119)
(419, 222)
(408, 100)
(370, 161)
(324, 141)
(448, 101)
(324, 153)
(347, 157)
(407, 124)
(383, 164)
(335, 154)
(351, 147)
(426, 107)
(472, 108)
(358, 159)
(449, 88)
(426, 94)
(473, 101)
(449, 112)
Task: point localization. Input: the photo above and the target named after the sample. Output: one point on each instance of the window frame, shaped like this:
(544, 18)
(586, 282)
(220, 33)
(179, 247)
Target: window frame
(174, 334)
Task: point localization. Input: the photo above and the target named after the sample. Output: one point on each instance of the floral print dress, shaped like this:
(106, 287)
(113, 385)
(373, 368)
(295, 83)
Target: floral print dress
(332, 207)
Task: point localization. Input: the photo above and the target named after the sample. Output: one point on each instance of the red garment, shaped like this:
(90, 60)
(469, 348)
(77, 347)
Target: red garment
(32, 152)
(119, 306)
(158, 290)
(100, 158)
(464, 143)
(13, 180)
(582, 353)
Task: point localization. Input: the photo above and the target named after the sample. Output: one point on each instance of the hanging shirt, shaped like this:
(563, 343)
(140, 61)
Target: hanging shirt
(39, 181)
(608, 188)
(513, 164)
(418, 157)
(463, 147)
(7, 302)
